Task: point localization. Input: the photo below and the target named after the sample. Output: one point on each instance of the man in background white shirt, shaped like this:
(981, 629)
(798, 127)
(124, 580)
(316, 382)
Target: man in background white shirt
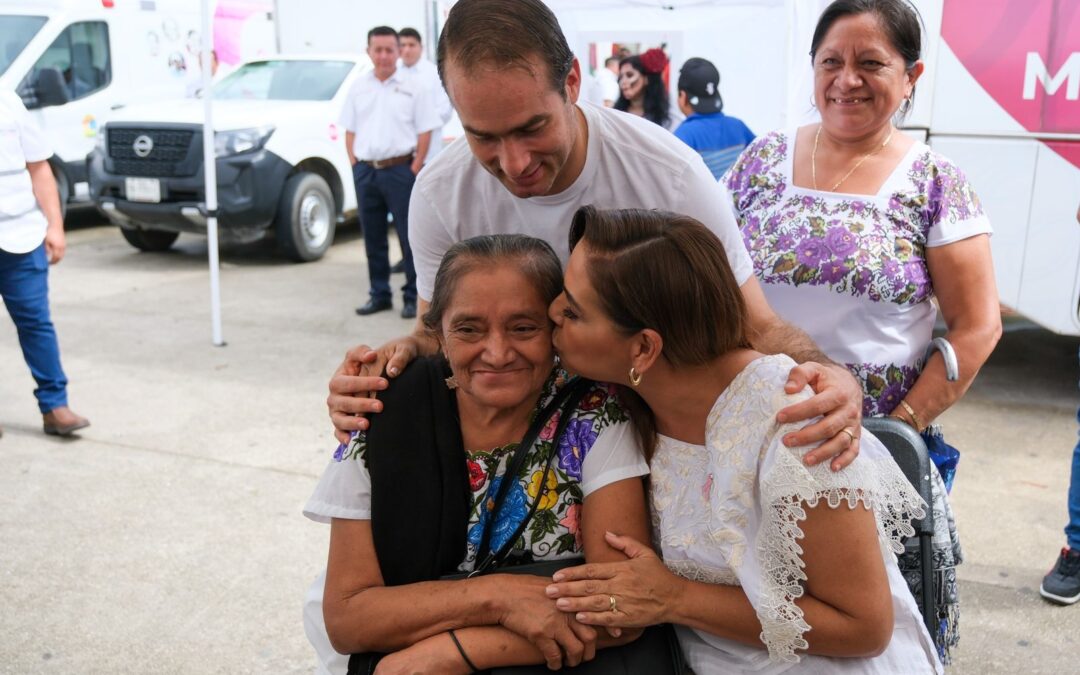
(194, 88)
(388, 120)
(413, 62)
(608, 77)
(32, 238)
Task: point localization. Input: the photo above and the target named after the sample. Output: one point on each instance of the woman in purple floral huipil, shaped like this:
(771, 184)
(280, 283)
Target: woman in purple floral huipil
(853, 228)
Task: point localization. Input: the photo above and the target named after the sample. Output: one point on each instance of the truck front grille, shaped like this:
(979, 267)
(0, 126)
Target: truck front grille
(168, 156)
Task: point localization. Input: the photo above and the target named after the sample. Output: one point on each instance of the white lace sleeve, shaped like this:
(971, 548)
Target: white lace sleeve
(770, 567)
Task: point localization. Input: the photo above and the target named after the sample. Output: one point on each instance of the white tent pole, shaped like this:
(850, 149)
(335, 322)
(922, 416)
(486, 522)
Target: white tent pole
(210, 176)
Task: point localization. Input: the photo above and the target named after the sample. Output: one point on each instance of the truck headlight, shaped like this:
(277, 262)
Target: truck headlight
(100, 141)
(228, 143)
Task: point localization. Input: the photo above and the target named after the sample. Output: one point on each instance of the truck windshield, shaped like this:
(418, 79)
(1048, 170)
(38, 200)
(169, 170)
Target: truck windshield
(284, 81)
(15, 33)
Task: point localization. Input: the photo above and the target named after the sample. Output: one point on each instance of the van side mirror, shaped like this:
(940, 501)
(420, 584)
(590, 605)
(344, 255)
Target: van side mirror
(50, 88)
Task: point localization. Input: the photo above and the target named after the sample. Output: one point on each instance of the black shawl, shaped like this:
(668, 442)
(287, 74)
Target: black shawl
(419, 483)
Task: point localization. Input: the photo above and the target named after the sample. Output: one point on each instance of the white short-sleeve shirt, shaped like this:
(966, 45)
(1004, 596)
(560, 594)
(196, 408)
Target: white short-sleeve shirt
(22, 224)
(388, 115)
(428, 75)
(630, 163)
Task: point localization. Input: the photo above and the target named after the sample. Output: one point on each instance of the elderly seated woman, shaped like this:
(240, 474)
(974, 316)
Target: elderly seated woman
(408, 500)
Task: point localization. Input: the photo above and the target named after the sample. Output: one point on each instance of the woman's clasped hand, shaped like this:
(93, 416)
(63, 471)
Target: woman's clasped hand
(637, 592)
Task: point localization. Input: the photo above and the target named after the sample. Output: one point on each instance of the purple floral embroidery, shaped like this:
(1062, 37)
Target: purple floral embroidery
(840, 241)
(950, 197)
(834, 271)
(915, 272)
(810, 252)
(872, 247)
(862, 281)
(352, 449)
(884, 385)
(891, 396)
(577, 440)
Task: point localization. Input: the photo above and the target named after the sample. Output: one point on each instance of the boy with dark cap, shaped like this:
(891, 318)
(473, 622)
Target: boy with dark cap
(717, 138)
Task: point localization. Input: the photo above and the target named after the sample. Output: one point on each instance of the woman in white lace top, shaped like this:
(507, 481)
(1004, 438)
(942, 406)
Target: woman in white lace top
(769, 565)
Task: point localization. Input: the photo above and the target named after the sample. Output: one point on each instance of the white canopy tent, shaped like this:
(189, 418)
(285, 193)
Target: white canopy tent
(760, 47)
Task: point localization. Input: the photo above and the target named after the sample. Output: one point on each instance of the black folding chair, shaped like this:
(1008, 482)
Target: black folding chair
(908, 449)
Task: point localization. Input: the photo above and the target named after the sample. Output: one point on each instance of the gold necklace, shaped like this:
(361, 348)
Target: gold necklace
(813, 159)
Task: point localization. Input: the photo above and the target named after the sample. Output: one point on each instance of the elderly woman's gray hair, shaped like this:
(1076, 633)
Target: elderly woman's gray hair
(534, 257)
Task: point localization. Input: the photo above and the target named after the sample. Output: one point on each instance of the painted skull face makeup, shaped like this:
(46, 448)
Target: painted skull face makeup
(631, 82)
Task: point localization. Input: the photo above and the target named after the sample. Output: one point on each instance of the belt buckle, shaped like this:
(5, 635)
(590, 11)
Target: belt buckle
(378, 164)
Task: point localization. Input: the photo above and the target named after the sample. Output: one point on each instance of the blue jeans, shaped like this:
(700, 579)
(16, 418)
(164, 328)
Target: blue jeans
(24, 286)
(378, 192)
(1072, 530)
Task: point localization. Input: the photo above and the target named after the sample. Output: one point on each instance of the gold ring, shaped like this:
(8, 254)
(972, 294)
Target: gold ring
(611, 600)
(850, 433)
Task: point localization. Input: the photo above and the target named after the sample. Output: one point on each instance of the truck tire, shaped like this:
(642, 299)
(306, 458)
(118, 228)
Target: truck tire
(306, 218)
(149, 240)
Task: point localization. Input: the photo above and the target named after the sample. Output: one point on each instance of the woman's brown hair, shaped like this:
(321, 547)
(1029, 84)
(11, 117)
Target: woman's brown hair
(666, 272)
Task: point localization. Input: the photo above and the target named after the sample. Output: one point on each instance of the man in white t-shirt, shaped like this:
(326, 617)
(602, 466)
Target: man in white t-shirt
(32, 238)
(533, 157)
(413, 63)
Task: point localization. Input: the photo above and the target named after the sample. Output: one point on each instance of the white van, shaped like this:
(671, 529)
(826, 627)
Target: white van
(1000, 96)
(75, 62)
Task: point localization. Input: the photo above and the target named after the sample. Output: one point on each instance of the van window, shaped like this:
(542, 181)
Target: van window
(15, 33)
(80, 55)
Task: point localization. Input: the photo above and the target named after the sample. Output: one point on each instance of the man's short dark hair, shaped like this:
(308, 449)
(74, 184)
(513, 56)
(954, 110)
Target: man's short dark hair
(410, 33)
(505, 33)
(381, 30)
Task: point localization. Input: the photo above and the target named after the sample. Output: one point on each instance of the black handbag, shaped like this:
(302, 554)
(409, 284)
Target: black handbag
(655, 652)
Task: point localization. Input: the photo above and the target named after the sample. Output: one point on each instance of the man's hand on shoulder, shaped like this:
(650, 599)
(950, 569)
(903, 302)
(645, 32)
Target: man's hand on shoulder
(358, 379)
(838, 399)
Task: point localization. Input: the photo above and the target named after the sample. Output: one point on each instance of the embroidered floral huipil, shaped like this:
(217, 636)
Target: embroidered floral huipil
(851, 270)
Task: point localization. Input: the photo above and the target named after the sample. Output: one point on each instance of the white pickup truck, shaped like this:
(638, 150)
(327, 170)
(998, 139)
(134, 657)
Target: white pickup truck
(281, 162)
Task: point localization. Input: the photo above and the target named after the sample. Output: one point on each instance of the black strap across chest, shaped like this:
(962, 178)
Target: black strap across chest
(565, 401)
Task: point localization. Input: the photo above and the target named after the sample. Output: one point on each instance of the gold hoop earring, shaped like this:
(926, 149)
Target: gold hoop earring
(635, 376)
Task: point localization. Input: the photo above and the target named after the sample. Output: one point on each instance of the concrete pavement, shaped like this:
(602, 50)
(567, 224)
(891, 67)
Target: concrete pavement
(168, 536)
